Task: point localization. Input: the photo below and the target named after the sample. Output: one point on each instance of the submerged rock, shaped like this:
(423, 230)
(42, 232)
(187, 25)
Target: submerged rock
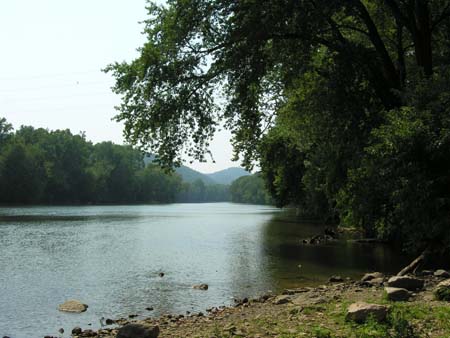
(73, 306)
(77, 330)
(138, 331)
(200, 286)
(359, 312)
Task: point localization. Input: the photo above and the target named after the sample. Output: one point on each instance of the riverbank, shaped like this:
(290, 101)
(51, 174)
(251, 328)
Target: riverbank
(308, 312)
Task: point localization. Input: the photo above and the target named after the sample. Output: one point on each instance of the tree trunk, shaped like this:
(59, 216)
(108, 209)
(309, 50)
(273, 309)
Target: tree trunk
(422, 37)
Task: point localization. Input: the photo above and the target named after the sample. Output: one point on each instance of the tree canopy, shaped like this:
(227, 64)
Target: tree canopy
(344, 104)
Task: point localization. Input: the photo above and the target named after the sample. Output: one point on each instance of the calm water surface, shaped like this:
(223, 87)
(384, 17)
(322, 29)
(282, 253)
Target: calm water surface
(109, 257)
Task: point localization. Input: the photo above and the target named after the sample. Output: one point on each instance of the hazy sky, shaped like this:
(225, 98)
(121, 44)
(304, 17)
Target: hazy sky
(50, 70)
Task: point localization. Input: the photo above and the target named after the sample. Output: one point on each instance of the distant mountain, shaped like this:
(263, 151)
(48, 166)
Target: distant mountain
(190, 175)
(227, 176)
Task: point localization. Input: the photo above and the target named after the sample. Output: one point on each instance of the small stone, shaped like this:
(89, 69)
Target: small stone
(138, 331)
(73, 306)
(397, 294)
(230, 328)
(372, 275)
(161, 274)
(76, 330)
(149, 308)
(132, 315)
(89, 333)
(406, 282)
(61, 330)
(374, 282)
(335, 279)
(442, 273)
(359, 312)
(426, 273)
(109, 321)
(200, 286)
(283, 299)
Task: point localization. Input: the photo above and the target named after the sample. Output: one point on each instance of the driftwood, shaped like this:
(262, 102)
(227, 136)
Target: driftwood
(415, 264)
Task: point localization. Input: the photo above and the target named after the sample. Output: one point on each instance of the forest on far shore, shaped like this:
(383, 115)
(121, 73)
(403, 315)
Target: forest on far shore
(38, 166)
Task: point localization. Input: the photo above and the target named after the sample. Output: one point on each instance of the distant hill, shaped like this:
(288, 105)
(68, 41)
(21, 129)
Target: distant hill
(190, 175)
(227, 176)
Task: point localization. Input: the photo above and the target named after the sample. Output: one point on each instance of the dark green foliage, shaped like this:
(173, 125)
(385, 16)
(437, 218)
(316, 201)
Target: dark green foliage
(199, 192)
(401, 189)
(343, 104)
(250, 189)
(55, 167)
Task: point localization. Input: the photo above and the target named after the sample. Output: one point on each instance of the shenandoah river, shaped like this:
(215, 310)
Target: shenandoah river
(110, 257)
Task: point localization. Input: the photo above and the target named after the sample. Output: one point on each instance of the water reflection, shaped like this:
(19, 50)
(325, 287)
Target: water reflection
(298, 263)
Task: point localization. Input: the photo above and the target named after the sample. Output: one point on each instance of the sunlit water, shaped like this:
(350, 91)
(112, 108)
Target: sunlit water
(110, 256)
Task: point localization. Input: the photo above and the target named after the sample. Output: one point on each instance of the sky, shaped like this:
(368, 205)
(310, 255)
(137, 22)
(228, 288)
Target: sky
(50, 67)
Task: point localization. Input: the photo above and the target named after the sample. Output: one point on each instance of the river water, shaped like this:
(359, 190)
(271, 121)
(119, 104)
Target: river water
(110, 257)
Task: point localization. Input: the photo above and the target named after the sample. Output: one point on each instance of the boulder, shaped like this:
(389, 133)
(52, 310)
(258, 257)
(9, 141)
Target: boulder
(138, 331)
(442, 290)
(283, 299)
(359, 312)
(200, 286)
(372, 275)
(442, 273)
(397, 294)
(406, 282)
(73, 306)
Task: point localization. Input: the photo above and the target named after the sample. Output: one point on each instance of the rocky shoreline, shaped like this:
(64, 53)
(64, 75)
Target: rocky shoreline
(377, 303)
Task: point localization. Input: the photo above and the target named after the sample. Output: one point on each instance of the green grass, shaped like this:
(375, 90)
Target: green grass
(442, 294)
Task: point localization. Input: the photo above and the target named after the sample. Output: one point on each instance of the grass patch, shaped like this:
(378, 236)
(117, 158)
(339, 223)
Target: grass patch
(442, 294)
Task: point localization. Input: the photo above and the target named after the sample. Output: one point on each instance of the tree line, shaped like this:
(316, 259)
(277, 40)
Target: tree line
(38, 166)
(343, 104)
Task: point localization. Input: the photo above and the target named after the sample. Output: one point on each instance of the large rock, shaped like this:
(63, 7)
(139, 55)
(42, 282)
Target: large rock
(442, 290)
(138, 331)
(442, 273)
(372, 275)
(73, 306)
(359, 312)
(397, 294)
(406, 282)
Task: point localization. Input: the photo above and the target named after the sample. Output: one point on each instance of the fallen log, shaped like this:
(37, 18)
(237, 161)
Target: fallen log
(415, 264)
